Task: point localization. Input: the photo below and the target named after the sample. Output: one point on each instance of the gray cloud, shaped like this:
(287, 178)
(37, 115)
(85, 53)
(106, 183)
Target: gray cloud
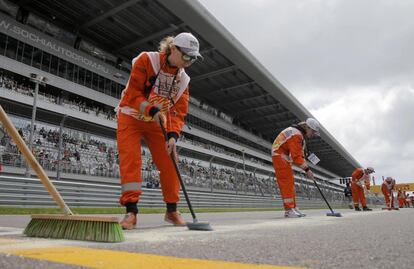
(376, 127)
(349, 62)
(324, 42)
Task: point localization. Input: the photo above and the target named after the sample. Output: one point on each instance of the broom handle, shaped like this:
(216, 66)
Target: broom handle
(164, 132)
(32, 161)
(323, 196)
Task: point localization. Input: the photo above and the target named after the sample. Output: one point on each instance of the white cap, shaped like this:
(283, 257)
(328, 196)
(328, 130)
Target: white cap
(313, 124)
(188, 44)
(370, 169)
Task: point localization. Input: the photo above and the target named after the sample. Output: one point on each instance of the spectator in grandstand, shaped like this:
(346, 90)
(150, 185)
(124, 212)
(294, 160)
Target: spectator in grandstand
(21, 132)
(156, 93)
(348, 195)
(360, 177)
(289, 146)
(387, 188)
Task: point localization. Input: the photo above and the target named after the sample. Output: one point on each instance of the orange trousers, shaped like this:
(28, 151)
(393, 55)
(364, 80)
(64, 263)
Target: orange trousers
(358, 195)
(387, 198)
(285, 180)
(129, 134)
(401, 202)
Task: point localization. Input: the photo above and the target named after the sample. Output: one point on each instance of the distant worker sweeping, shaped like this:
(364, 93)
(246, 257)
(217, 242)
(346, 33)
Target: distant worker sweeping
(387, 188)
(157, 91)
(360, 180)
(290, 147)
(401, 196)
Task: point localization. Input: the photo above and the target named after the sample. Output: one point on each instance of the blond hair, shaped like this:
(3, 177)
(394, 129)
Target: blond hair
(302, 124)
(165, 44)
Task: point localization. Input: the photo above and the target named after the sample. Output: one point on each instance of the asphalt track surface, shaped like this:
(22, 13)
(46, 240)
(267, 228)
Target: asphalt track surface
(377, 239)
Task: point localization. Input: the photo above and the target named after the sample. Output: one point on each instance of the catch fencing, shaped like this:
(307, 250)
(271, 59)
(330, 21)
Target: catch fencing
(29, 192)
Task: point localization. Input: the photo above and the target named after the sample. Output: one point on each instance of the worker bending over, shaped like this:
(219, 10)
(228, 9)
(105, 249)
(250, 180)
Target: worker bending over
(290, 147)
(360, 177)
(387, 188)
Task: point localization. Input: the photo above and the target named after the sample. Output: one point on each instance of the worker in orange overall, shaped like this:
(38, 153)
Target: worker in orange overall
(156, 93)
(367, 184)
(387, 188)
(360, 177)
(401, 198)
(290, 147)
(407, 199)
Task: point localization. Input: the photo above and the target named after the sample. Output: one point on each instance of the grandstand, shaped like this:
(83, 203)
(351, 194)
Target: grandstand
(84, 49)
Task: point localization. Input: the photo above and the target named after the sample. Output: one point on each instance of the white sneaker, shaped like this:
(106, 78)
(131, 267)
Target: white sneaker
(300, 213)
(292, 213)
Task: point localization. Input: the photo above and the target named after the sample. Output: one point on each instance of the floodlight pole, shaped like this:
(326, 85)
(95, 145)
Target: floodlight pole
(62, 123)
(37, 80)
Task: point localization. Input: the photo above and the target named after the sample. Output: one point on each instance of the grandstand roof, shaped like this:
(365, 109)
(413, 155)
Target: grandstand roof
(230, 78)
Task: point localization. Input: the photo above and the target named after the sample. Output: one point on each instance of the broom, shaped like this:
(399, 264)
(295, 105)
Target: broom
(67, 226)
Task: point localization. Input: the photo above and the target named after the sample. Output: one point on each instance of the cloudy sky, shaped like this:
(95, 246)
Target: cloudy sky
(349, 62)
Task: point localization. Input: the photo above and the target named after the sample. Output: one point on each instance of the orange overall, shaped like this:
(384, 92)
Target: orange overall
(406, 200)
(358, 178)
(288, 147)
(401, 199)
(386, 189)
(169, 94)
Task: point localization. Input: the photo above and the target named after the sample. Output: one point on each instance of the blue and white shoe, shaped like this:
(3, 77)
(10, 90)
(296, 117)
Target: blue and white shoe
(301, 214)
(292, 213)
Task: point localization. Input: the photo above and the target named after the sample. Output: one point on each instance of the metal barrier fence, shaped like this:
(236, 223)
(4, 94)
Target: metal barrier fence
(29, 192)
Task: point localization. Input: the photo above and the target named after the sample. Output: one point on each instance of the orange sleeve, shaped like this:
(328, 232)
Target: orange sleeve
(295, 148)
(134, 92)
(177, 114)
(357, 174)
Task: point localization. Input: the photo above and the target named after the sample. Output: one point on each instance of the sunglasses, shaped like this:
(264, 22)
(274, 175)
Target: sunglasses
(186, 57)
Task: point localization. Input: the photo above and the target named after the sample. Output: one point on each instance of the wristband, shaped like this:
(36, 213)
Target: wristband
(153, 110)
(173, 135)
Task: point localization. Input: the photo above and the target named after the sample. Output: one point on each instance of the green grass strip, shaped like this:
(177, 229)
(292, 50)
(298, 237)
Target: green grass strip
(121, 210)
(117, 210)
